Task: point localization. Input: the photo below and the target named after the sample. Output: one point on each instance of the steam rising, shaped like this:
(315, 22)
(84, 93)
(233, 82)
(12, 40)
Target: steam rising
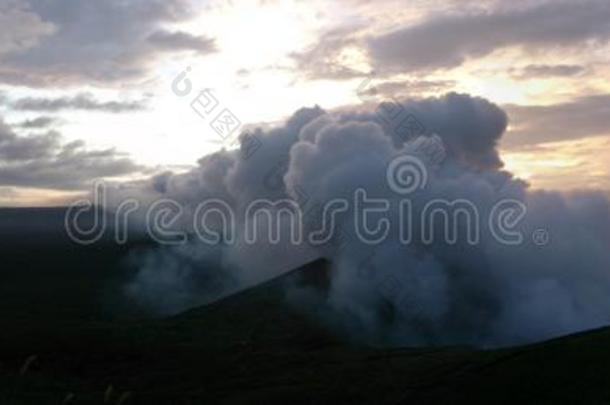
(488, 294)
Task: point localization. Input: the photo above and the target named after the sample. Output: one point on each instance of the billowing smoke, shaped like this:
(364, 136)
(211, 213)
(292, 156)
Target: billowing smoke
(539, 271)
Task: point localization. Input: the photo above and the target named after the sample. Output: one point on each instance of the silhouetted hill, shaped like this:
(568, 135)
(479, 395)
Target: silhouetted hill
(59, 345)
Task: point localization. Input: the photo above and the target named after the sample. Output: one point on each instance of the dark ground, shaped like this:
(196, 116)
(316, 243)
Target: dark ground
(62, 342)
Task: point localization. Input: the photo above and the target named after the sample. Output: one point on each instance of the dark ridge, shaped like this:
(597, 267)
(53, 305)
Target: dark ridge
(315, 274)
(251, 347)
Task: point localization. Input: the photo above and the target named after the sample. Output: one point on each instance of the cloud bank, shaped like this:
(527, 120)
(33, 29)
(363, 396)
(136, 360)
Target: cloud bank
(448, 41)
(386, 293)
(582, 117)
(90, 42)
(47, 161)
(83, 101)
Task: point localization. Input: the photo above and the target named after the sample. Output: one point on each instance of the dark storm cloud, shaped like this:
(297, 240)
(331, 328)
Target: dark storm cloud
(38, 122)
(96, 41)
(14, 148)
(548, 71)
(178, 40)
(19, 27)
(404, 88)
(322, 60)
(580, 118)
(43, 160)
(448, 41)
(68, 169)
(83, 101)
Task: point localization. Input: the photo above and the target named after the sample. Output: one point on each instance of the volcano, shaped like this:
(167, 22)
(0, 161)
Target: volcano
(59, 345)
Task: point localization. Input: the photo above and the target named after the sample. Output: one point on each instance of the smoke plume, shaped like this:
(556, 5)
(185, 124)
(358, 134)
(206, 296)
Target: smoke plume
(553, 279)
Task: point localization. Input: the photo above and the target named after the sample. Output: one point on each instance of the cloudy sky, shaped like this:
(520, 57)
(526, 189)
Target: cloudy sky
(88, 88)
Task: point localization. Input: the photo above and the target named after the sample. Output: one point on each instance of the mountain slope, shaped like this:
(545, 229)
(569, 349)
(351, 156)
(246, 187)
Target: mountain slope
(250, 347)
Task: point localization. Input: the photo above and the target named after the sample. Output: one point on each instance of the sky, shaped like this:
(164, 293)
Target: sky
(95, 89)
